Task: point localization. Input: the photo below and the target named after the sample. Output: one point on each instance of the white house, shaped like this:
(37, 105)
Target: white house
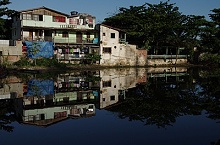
(114, 49)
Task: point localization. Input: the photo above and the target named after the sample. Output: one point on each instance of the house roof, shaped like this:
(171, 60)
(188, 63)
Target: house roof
(43, 7)
(112, 27)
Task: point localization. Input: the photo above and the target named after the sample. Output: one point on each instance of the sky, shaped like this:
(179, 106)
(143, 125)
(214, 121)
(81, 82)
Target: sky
(102, 9)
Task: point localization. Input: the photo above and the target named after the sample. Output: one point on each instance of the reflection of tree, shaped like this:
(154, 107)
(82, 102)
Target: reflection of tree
(6, 115)
(210, 92)
(160, 102)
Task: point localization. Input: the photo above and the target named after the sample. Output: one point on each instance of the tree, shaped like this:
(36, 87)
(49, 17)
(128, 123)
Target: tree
(5, 24)
(210, 40)
(156, 25)
(131, 20)
(211, 35)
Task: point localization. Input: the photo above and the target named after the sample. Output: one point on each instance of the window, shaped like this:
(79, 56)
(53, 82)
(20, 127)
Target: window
(24, 16)
(36, 17)
(112, 35)
(103, 34)
(29, 17)
(59, 19)
(32, 17)
(107, 50)
(112, 98)
(74, 21)
(65, 34)
(40, 17)
(106, 84)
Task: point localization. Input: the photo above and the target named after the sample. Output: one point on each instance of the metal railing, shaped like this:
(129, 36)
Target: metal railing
(62, 40)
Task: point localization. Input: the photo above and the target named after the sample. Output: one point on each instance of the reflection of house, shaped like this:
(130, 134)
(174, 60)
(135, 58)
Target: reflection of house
(115, 82)
(44, 116)
(72, 88)
(167, 75)
(11, 88)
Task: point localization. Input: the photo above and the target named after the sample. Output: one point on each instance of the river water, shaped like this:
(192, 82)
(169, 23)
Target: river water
(127, 106)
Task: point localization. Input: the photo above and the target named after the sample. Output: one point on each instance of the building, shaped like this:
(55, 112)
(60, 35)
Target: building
(75, 36)
(115, 50)
(10, 51)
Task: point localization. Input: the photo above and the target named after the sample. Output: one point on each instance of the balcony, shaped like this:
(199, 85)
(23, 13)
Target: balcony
(64, 40)
(68, 40)
(38, 38)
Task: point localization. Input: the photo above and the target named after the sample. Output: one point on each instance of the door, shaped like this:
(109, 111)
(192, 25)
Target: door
(88, 37)
(78, 37)
(30, 38)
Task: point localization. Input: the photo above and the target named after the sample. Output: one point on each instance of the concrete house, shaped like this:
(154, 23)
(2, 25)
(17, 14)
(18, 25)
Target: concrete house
(74, 36)
(44, 24)
(115, 50)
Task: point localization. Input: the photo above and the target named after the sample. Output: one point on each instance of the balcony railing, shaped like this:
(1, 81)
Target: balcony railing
(38, 38)
(65, 40)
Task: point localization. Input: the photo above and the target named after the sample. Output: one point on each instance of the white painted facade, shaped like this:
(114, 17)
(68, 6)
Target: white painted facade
(114, 49)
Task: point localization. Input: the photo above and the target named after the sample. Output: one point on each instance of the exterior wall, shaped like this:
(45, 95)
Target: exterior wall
(48, 23)
(11, 54)
(158, 62)
(72, 37)
(122, 54)
(20, 27)
(141, 57)
(16, 29)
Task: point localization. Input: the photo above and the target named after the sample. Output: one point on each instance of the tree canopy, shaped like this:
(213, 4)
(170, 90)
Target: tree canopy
(157, 25)
(5, 24)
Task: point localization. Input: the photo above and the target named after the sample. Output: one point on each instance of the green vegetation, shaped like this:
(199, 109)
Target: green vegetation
(155, 26)
(44, 62)
(93, 57)
(5, 24)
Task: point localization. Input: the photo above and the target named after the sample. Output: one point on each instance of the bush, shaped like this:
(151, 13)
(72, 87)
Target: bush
(45, 62)
(209, 59)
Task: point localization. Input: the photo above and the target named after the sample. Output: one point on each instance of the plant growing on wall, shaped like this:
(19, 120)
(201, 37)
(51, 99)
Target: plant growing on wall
(93, 57)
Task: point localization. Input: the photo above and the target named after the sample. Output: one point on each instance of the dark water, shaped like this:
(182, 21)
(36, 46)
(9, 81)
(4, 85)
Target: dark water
(167, 106)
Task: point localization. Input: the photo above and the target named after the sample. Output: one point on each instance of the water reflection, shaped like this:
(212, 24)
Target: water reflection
(153, 96)
(40, 100)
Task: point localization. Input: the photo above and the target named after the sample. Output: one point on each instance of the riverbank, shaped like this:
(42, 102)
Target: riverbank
(38, 69)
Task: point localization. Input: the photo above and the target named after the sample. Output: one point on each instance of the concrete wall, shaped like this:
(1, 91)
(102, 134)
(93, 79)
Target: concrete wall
(10, 54)
(121, 54)
(159, 62)
(141, 57)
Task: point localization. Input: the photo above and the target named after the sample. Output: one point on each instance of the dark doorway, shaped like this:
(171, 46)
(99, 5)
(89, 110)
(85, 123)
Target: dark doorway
(78, 37)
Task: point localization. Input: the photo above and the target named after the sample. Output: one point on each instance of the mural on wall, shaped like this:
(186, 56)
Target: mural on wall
(39, 49)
